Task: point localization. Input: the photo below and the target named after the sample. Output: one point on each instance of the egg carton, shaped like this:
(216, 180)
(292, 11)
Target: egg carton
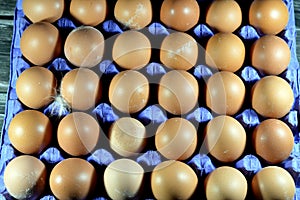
(153, 115)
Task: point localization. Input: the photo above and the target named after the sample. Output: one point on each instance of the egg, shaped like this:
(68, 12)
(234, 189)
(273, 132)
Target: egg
(178, 92)
(225, 93)
(81, 88)
(134, 14)
(269, 17)
(273, 182)
(176, 139)
(273, 140)
(225, 138)
(225, 183)
(272, 97)
(30, 132)
(179, 51)
(270, 54)
(40, 43)
(73, 178)
(173, 180)
(48, 11)
(88, 12)
(224, 15)
(129, 91)
(84, 47)
(127, 136)
(131, 50)
(225, 51)
(180, 15)
(25, 177)
(36, 87)
(123, 179)
(78, 133)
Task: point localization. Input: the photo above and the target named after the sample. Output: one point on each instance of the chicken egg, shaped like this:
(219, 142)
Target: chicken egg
(178, 92)
(173, 180)
(81, 88)
(84, 47)
(123, 179)
(88, 12)
(180, 15)
(225, 93)
(176, 139)
(179, 51)
(30, 132)
(269, 17)
(225, 51)
(272, 97)
(134, 14)
(40, 43)
(73, 178)
(129, 91)
(25, 177)
(78, 133)
(131, 50)
(270, 54)
(225, 138)
(36, 87)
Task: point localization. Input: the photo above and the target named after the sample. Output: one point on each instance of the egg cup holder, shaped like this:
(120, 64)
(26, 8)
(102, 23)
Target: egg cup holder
(152, 115)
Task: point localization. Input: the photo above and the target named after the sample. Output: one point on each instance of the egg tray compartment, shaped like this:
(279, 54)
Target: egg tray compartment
(153, 114)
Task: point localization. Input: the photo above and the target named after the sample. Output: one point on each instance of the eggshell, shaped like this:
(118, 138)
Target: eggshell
(134, 14)
(73, 178)
(173, 180)
(25, 177)
(129, 91)
(179, 51)
(178, 92)
(123, 179)
(225, 183)
(30, 132)
(272, 97)
(225, 138)
(176, 139)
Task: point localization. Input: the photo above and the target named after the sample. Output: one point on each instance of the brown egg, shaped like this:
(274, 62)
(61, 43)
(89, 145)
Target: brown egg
(226, 183)
(178, 92)
(180, 15)
(224, 15)
(127, 136)
(123, 179)
(88, 12)
(129, 91)
(78, 133)
(81, 88)
(269, 17)
(273, 141)
(225, 138)
(176, 139)
(179, 51)
(48, 11)
(272, 97)
(273, 183)
(134, 14)
(40, 43)
(131, 50)
(173, 180)
(225, 51)
(73, 178)
(30, 132)
(25, 177)
(225, 93)
(36, 87)
(84, 47)
(270, 54)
